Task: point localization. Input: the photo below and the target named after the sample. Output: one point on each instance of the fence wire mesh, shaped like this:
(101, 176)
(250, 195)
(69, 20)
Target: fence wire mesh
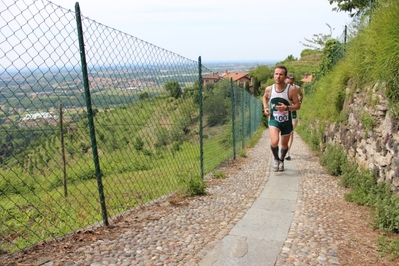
(231, 116)
(94, 126)
(333, 52)
(348, 34)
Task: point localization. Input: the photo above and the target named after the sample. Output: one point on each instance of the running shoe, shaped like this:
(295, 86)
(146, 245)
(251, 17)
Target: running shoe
(281, 166)
(276, 165)
(288, 157)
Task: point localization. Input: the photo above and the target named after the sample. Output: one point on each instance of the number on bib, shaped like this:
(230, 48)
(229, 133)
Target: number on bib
(281, 116)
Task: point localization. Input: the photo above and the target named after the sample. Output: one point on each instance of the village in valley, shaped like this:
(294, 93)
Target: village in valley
(30, 99)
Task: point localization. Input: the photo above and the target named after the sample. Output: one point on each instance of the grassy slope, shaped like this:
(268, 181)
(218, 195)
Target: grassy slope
(371, 59)
(33, 190)
(145, 149)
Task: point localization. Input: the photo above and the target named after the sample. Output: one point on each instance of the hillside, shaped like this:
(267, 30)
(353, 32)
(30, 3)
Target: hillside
(136, 158)
(144, 150)
(350, 116)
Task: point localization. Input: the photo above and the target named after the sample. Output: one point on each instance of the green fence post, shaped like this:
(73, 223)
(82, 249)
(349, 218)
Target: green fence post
(260, 118)
(90, 114)
(250, 117)
(233, 117)
(200, 117)
(243, 118)
(254, 114)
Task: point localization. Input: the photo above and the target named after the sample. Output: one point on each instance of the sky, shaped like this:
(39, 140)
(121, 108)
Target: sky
(218, 30)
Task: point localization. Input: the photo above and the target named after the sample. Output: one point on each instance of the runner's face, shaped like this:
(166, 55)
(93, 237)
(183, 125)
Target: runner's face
(289, 81)
(279, 75)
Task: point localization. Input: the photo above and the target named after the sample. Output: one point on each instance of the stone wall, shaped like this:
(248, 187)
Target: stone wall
(371, 134)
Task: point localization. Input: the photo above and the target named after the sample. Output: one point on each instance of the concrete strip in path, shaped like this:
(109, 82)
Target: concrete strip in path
(258, 237)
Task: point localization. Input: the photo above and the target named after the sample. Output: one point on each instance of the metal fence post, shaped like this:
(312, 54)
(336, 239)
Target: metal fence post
(243, 118)
(233, 117)
(250, 117)
(90, 115)
(200, 116)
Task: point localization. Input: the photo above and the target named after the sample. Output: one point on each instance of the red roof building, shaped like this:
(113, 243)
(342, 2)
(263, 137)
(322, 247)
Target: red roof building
(239, 78)
(213, 78)
(307, 78)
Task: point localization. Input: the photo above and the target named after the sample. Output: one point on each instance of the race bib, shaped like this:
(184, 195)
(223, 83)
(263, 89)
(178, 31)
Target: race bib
(281, 116)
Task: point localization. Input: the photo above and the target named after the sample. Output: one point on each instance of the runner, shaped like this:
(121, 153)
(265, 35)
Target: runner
(290, 80)
(278, 102)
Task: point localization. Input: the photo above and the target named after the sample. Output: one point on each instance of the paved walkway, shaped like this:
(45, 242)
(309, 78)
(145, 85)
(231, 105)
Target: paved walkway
(257, 239)
(254, 217)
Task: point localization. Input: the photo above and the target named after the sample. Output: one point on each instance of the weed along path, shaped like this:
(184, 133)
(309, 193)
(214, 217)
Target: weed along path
(321, 229)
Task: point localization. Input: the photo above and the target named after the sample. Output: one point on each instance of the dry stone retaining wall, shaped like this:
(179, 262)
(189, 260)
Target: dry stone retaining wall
(370, 136)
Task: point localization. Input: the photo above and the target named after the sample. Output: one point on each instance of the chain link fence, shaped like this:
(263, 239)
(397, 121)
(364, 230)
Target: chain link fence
(95, 122)
(333, 52)
(348, 33)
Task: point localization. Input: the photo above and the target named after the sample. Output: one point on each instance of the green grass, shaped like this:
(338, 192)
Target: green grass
(370, 66)
(365, 190)
(51, 214)
(217, 174)
(256, 137)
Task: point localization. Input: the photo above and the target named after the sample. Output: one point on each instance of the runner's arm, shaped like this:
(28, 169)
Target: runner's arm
(266, 97)
(293, 95)
(300, 94)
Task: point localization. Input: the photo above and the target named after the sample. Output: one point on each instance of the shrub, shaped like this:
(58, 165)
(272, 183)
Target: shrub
(174, 89)
(367, 121)
(144, 95)
(389, 246)
(333, 159)
(242, 153)
(386, 216)
(162, 137)
(363, 186)
(218, 174)
(191, 186)
(138, 144)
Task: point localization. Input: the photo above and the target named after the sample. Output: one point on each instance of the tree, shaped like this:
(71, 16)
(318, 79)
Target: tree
(262, 73)
(290, 58)
(217, 104)
(209, 86)
(256, 87)
(246, 87)
(174, 89)
(144, 95)
(319, 40)
(354, 7)
(331, 54)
